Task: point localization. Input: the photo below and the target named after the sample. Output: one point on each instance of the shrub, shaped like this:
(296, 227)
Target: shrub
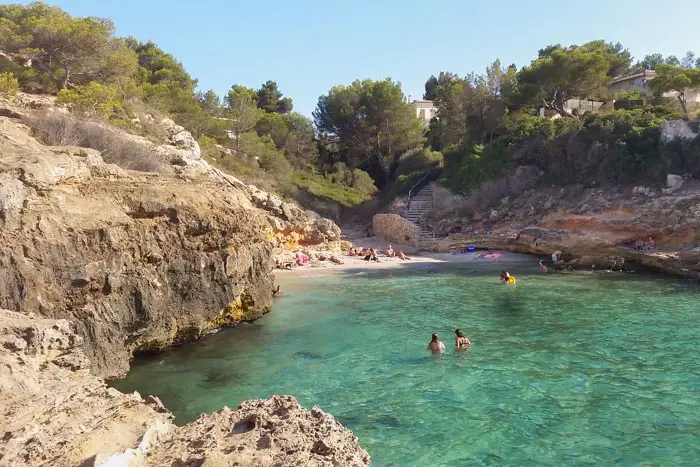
(96, 99)
(116, 148)
(324, 188)
(418, 160)
(8, 84)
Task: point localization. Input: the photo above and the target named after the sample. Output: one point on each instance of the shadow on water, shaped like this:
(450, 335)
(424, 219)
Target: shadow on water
(220, 378)
(308, 355)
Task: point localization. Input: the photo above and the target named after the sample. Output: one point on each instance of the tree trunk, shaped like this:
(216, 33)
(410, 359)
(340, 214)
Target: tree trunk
(66, 78)
(681, 99)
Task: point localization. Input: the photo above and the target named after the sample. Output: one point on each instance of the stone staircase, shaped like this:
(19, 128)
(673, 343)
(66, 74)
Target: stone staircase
(420, 204)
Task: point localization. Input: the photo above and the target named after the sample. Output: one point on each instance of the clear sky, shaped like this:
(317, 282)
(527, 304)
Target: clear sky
(307, 46)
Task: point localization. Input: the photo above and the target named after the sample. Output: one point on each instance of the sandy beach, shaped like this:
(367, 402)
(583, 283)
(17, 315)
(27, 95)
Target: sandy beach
(356, 264)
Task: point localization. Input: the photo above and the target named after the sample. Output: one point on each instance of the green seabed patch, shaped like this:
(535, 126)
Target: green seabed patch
(580, 368)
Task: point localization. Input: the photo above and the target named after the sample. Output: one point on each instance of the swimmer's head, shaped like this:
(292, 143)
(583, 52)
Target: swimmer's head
(459, 333)
(435, 337)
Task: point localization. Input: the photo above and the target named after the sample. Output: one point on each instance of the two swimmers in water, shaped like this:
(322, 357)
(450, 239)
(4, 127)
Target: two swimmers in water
(461, 342)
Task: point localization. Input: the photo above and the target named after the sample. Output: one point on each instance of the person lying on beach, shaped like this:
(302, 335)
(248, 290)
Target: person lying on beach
(461, 341)
(436, 344)
(390, 252)
(351, 252)
(285, 265)
(335, 260)
(402, 255)
(276, 292)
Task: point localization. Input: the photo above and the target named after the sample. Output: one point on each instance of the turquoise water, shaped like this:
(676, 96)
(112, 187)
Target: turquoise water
(576, 369)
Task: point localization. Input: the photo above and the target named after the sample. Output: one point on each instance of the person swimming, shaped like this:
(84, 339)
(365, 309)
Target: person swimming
(436, 344)
(507, 278)
(461, 341)
(276, 292)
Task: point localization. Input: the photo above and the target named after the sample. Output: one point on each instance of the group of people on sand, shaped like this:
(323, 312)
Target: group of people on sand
(302, 259)
(461, 342)
(641, 245)
(370, 254)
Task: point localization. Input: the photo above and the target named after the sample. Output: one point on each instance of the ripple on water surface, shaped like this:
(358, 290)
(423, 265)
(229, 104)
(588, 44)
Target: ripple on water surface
(565, 369)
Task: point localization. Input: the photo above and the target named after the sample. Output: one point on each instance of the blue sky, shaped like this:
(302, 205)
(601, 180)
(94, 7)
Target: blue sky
(307, 46)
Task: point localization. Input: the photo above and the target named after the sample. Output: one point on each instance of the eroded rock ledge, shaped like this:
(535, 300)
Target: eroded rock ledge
(55, 412)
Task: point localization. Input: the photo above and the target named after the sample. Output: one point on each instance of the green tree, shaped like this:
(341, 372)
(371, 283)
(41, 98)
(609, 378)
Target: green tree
(244, 114)
(675, 79)
(71, 51)
(650, 62)
(562, 73)
(271, 99)
(371, 123)
(689, 60)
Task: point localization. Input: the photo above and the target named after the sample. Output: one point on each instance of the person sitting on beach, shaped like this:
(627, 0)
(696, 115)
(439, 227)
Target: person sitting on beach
(371, 255)
(351, 252)
(402, 255)
(390, 252)
(285, 265)
(461, 341)
(639, 244)
(436, 344)
(302, 259)
(276, 292)
(543, 268)
(651, 244)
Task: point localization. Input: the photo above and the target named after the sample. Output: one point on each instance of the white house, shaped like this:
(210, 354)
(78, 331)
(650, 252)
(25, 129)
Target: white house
(425, 110)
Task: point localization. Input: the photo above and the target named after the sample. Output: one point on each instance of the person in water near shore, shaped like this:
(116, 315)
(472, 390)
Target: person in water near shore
(507, 278)
(461, 341)
(276, 292)
(543, 268)
(436, 344)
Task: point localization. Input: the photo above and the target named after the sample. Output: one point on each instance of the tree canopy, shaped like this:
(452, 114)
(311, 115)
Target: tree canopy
(670, 78)
(371, 123)
(562, 73)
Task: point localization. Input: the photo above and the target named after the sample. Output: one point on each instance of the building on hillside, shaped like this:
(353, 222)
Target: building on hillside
(641, 82)
(425, 110)
(634, 82)
(576, 107)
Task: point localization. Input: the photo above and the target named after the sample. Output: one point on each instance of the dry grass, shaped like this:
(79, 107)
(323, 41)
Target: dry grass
(116, 148)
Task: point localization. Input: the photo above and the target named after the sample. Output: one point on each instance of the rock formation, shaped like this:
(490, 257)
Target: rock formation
(55, 412)
(98, 263)
(394, 228)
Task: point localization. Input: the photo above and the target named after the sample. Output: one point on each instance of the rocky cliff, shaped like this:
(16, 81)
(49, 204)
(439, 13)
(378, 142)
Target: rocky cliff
(98, 263)
(594, 227)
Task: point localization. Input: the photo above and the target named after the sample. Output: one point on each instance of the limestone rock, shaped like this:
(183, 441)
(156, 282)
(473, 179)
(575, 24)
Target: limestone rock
(394, 228)
(142, 255)
(674, 182)
(322, 231)
(53, 411)
(276, 431)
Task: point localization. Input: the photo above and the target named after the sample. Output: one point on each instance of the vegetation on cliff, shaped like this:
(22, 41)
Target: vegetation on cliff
(365, 135)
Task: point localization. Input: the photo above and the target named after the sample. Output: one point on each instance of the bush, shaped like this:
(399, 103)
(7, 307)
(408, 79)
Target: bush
(419, 160)
(116, 148)
(324, 188)
(8, 84)
(96, 99)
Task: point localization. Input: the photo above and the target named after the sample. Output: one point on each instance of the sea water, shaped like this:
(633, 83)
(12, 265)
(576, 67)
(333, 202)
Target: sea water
(565, 369)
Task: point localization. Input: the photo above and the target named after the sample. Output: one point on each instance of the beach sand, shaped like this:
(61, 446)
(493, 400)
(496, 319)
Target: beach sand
(356, 264)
